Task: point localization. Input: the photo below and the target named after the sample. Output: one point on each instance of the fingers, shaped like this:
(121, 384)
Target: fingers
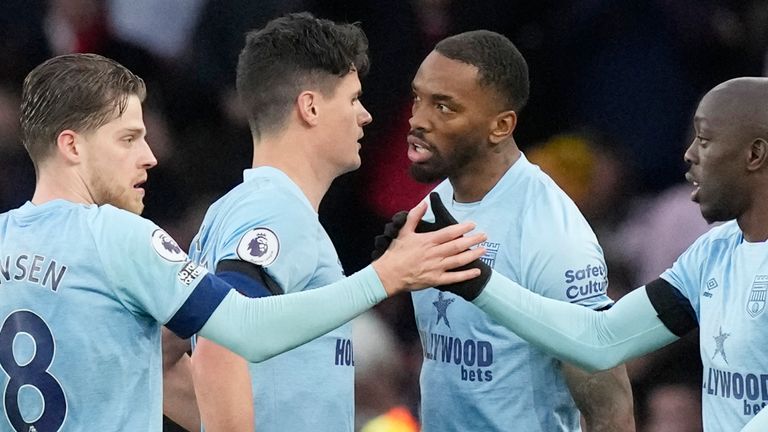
(451, 232)
(463, 258)
(382, 242)
(458, 276)
(442, 216)
(414, 216)
(398, 220)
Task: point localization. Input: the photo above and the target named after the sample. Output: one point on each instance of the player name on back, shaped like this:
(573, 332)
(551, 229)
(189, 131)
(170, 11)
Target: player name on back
(32, 268)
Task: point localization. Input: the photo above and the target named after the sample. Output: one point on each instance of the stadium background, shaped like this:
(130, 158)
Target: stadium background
(614, 86)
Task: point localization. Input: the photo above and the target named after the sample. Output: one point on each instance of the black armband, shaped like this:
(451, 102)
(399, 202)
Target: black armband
(249, 279)
(672, 307)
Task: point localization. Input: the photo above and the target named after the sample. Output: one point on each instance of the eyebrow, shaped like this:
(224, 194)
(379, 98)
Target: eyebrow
(435, 96)
(134, 131)
(442, 98)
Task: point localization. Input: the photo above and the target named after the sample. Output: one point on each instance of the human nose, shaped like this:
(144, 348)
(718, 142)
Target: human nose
(148, 159)
(691, 155)
(364, 117)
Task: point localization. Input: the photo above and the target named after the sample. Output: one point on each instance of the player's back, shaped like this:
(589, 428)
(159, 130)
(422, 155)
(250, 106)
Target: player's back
(74, 354)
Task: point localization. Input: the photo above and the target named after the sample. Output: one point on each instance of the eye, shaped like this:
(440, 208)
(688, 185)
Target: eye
(443, 108)
(702, 141)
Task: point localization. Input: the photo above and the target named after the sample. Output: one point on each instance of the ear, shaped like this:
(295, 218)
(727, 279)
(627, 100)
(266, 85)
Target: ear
(503, 125)
(67, 145)
(758, 154)
(307, 106)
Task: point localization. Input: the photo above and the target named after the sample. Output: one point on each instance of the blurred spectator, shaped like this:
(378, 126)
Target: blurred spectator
(163, 27)
(658, 230)
(378, 368)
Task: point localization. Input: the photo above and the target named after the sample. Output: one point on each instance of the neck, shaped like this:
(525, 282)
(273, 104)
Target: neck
(53, 184)
(480, 176)
(754, 222)
(290, 154)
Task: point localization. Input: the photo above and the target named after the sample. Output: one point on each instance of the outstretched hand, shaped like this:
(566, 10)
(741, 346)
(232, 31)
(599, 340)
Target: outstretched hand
(468, 289)
(419, 260)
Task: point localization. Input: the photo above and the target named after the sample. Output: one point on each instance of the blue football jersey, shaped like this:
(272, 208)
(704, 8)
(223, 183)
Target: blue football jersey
(83, 292)
(477, 375)
(725, 279)
(268, 221)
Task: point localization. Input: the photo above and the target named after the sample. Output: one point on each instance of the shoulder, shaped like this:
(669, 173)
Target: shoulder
(725, 236)
(110, 218)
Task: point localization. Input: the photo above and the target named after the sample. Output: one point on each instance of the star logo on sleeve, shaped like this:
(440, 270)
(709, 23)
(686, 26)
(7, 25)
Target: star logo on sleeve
(719, 341)
(441, 305)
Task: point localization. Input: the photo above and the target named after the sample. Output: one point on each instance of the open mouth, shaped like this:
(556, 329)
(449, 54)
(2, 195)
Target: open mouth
(139, 186)
(696, 187)
(418, 150)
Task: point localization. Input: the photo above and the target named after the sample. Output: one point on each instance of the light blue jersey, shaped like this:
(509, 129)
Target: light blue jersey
(477, 375)
(267, 220)
(83, 293)
(726, 281)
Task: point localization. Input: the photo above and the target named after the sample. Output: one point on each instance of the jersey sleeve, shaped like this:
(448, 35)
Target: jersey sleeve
(686, 272)
(150, 274)
(561, 258)
(270, 230)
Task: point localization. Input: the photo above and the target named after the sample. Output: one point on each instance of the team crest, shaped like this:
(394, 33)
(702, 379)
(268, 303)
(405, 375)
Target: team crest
(757, 296)
(491, 250)
(166, 247)
(259, 246)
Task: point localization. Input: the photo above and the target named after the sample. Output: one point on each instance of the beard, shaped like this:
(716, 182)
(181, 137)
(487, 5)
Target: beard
(104, 192)
(441, 166)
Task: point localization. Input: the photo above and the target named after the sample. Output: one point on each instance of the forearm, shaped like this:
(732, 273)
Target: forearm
(261, 328)
(604, 398)
(223, 388)
(589, 339)
(179, 403)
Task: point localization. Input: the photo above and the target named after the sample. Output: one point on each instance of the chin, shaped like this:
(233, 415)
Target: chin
(133, 207)
(423, 175)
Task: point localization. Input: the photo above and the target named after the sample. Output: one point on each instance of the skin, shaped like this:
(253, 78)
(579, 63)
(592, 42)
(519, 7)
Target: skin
(319, 143)
(462, 131)
(107, 165)
(459, 129)
(727, 157)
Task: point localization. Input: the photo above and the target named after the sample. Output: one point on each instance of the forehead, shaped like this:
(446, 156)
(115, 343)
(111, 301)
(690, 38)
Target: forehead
(440, 75)
(350, 82)
(719, 110)
(131, 118)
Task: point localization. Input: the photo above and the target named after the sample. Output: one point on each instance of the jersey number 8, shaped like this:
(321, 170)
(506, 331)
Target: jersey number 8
(33, 373)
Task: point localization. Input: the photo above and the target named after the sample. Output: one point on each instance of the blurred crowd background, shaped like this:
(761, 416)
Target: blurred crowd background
(614, 87)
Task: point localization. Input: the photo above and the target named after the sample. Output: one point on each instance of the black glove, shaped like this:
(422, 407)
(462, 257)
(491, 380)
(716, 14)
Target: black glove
(470, 289)
(391, 229)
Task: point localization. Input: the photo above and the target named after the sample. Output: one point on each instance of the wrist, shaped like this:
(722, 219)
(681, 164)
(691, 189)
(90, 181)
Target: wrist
(389, 279)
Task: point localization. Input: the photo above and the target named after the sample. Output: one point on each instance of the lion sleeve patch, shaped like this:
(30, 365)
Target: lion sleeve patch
(259, 246)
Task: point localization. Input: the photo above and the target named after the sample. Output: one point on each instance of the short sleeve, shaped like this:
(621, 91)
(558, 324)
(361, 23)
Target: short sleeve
(561, 258)
(686, 272)
(150, 273)
(274, 231)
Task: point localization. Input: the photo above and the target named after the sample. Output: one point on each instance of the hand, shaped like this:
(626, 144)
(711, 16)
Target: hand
(391, 229)
(469, 289)
(419, 260)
